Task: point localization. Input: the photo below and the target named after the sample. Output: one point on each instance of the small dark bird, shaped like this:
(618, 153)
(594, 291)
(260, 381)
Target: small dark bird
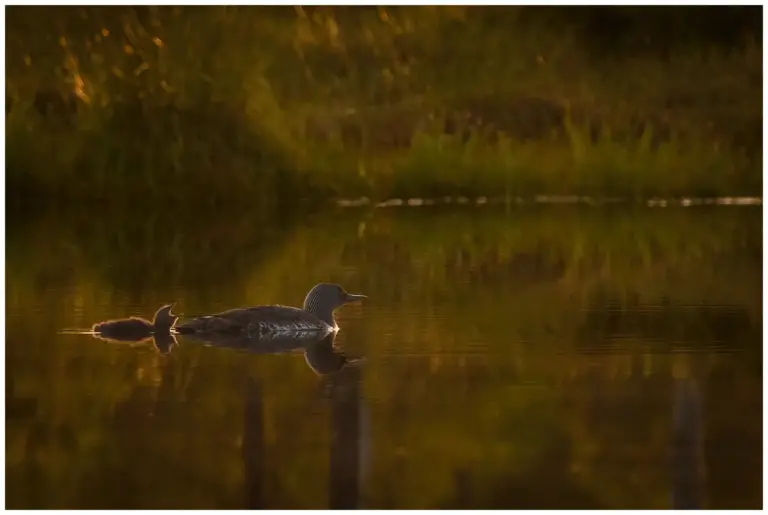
(135, 328)
(262, 321)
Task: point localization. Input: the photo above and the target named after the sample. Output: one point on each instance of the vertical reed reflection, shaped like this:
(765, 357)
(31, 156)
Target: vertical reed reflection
(687, 444)
(253, 445)
(346, 440)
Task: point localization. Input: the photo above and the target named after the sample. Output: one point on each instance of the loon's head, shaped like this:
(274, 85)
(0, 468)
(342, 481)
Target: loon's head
(164, 320)
(325, 298)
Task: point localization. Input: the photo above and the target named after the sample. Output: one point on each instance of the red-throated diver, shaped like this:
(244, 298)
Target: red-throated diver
(136, 328)
(260, 321)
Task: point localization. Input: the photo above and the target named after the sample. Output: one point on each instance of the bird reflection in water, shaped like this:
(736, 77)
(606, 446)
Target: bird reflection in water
(341, 385)
(325, 358)
(320, 352)
(163, 343)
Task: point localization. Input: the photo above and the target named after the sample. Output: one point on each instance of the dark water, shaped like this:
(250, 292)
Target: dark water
(555, 357)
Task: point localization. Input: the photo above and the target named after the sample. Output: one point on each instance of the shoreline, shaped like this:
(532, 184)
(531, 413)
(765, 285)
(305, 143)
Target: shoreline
(552, 200)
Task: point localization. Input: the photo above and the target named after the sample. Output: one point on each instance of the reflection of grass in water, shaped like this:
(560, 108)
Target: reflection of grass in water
(460, 248)
(64, 438)
(640, 250)
(404, 259)
(419, 435)
(540, 264)
(617, 400)
(104, 396)
(159, 248)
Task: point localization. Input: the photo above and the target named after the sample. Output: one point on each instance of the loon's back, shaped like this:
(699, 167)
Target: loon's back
(256, 321)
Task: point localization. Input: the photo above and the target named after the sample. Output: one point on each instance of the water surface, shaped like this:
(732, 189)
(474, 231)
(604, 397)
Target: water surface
(534, 357)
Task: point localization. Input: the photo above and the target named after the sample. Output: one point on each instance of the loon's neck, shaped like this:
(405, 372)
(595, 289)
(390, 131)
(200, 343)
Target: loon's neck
(323, 313)
(320, 307)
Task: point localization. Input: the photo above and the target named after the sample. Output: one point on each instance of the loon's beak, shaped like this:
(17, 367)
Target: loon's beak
(351, 297)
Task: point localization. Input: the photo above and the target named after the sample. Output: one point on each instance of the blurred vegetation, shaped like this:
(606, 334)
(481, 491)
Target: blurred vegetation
(557, 334)
(253, 104)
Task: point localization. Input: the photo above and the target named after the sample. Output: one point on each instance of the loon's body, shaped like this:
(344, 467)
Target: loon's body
(269, 321)
(280, 342)
(136, 328)
(256, 321)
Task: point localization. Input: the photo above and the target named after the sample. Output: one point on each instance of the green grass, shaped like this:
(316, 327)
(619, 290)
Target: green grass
(445, 165)
(250, 105)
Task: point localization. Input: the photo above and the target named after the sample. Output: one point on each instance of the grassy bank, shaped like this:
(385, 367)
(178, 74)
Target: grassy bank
(256, 104)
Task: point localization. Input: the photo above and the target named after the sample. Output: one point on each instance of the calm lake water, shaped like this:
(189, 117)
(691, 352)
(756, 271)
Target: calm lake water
(536, 357)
